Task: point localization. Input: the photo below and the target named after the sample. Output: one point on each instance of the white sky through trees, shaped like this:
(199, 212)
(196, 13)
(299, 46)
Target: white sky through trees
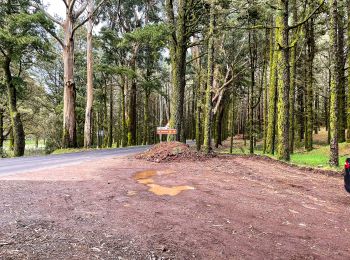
(55, 7)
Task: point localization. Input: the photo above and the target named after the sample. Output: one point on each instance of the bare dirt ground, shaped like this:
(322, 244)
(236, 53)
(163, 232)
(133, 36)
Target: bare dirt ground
(222, 208)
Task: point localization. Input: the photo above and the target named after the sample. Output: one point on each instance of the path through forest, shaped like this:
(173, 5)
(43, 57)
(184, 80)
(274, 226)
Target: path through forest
(222, 208)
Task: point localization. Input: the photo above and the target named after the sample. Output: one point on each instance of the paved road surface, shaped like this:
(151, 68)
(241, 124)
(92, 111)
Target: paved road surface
(25, 164)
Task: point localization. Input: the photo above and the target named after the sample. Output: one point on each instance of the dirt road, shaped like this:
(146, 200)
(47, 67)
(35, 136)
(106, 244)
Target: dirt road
(223, 208)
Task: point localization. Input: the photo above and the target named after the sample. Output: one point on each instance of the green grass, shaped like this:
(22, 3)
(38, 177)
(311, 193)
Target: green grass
(30, 144)
(30, 149)
(242, 150)
(317, 158)
(78, 150)
(70, 150)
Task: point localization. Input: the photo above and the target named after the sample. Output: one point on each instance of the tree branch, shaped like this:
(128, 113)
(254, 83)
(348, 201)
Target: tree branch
(41, 8)
(227, 82)
(88, 17)
(307, 18)
(3, 52)
(196, 58)
(53, 34)
(65, 3)
(193, 44)
(81, 10)
(71, 6)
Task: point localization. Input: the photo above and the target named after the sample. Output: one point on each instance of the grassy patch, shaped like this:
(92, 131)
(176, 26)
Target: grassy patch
(317, 158)
(70, 150)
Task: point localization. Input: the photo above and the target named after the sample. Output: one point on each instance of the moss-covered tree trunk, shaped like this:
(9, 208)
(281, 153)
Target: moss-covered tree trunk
(302, 99)
(146, 137)
(11, 139)
(293, 66)
(232, 121)
(199, 96)
(111, 117)
(348, 93)
(16, 122)
(132, 110)
(192, 117)
(282, 37)
(270, 136)
(105, 114)
(341, 76)
(210, 78)
(178, 48)
(124, 86)
(309, 85)
(219, 124)
(265, 89)
(317, 114)
(334, 151)
(252, 58)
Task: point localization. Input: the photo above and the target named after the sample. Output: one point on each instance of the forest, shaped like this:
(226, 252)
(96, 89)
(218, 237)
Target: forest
(110, 71)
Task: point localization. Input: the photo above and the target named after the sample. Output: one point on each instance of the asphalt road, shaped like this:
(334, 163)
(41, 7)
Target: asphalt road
(27, 164)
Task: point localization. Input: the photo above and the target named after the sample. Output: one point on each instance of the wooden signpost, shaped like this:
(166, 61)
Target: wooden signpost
(165, 131)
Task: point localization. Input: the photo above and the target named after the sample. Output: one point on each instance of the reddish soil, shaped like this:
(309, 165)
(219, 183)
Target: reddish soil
(239, 208)
(172, 151)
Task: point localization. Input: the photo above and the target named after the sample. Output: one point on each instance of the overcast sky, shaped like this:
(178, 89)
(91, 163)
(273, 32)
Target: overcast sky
(55, 7)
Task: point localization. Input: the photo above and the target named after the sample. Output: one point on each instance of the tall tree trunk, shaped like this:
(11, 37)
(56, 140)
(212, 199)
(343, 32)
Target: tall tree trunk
(341, 76)
(1, 130)
(265, 88)
(219, 123)
(192, 115)
(302, 101)
(11, 139)
(16, 122)
(210, 79)
(293, 65)
(317, 113)
(89, 85)
(69, 95)
(348, 96)
(309, 85)
(233, 122)
(132, 111)
(334, 151)
(146, 138)
(69, 26)
(97, 126)
(178, 48)
(110, 123)
(199, 97)
(252, 58)
(124, 125)
(270, 137)
(105, 114)
(161, 106)
(282, 36)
